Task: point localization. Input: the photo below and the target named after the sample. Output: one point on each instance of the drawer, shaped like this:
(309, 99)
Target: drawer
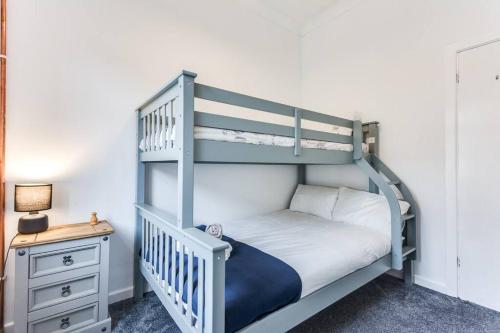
(66, 321)
(99, 327)
(63, 260)
(59, 292)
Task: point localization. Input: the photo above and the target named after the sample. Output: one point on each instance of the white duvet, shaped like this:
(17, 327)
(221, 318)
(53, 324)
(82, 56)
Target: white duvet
(319, 250)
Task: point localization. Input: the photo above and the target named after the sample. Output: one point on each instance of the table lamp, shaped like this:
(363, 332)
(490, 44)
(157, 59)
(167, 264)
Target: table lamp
(32, 198)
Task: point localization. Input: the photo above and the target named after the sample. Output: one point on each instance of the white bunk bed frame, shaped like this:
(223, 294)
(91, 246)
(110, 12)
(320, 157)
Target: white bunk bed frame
(173, 106)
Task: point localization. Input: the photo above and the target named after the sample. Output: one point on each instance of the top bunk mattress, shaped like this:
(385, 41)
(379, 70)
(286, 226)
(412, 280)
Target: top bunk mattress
(225, 135)
(321, 251)
(219, 134)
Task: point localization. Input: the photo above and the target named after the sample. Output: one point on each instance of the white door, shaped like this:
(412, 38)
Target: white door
(478, 107)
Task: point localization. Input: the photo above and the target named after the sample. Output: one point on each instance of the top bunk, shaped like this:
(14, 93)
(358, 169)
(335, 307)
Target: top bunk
(170, 130)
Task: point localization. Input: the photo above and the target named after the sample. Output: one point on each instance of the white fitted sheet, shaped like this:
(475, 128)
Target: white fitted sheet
(220, 134)
(321, 251)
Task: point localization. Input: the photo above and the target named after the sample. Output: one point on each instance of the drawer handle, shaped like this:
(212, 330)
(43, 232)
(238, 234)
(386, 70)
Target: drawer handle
(65, 323)
(67, 261)
(66, 291)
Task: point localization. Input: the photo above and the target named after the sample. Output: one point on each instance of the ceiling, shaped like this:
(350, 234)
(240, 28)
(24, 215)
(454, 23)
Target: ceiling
(294, 15)
(299, 11)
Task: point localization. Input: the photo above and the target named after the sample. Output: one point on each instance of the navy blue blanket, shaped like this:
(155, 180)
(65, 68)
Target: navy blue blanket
(256, 283)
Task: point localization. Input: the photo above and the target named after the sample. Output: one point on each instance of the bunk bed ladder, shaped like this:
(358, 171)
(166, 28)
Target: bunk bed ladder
(399, 189)
(409, 220)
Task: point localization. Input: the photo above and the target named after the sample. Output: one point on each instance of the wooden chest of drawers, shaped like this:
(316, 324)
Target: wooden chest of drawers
(62, 279)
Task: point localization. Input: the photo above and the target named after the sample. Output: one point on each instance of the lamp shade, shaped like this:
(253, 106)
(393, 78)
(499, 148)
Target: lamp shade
(32, 197)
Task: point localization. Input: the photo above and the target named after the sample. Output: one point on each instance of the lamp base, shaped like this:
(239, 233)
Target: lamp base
(33, 223)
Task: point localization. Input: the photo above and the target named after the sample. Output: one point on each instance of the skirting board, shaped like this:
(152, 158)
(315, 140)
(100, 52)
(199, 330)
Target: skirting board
(121, 294)
(429, 284)
(423, 282)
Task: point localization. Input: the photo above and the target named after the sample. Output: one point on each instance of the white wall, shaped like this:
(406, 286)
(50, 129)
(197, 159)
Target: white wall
(385, 60)
(76, 71)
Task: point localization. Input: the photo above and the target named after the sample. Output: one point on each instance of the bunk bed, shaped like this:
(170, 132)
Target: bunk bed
(185, 266)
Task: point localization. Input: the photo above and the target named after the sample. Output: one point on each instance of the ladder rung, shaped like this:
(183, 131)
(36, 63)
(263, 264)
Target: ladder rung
(393, 182)
(408, 217)
(407, 250)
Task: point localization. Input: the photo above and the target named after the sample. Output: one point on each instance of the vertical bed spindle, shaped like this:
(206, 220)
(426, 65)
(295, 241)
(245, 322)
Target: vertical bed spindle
(146, 241)
(181, 277)
(148, 132)
(163, 129)
(146, 249)
(158, 128)
(153, 130)
(190, 289)
(143, 139)
(155, 249)
(143, 241)
(150, 240)
(201, 295)
(157, 253)
(173, 269)
(162, 260)
(168, 112)
(146, 137)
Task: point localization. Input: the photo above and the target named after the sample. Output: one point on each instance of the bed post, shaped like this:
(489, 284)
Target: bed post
(301, 174)
(301, 168)
(370, 131)
(357, 140)
(297, 132)
(139, 198)
(215, 299)
(185, 145)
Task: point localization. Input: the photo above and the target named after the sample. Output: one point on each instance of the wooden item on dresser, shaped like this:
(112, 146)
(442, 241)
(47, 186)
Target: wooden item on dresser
(93, 218)
(62, 279)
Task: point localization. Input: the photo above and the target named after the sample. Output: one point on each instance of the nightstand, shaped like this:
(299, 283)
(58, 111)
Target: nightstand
(61, 279)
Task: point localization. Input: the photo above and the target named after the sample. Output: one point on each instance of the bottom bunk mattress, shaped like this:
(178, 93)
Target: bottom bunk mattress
(281, 257)
(321, 251)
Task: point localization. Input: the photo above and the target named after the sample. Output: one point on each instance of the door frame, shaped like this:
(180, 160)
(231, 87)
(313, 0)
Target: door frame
(3, 108)
(451, 157)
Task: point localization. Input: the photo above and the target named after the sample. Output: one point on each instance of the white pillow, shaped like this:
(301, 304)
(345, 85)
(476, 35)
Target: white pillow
(365, 209)
(404, 206)
(315, 200)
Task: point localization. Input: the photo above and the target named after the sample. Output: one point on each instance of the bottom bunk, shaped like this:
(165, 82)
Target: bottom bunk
(276, 269)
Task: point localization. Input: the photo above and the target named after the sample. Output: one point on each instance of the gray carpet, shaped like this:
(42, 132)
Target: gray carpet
(384, 305)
